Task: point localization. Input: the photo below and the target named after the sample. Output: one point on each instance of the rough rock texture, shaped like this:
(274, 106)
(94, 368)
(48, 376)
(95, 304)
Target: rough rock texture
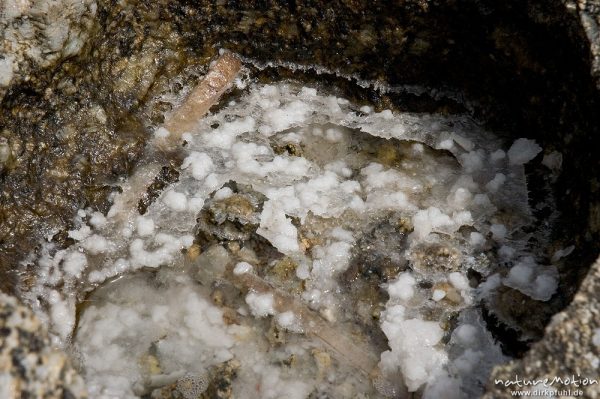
(567, 349)
(76, 81)
(29, 368)
(38, 34)
(589, 14)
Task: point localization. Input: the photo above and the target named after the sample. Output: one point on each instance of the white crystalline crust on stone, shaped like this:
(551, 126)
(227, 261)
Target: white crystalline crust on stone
(144, 226)
(537, 281)
(261, 305)
(472, 353)
(276, 227)
(402, 287)
(523, 151)
(553, 161)
(187, 331)
(242, 268)
(38, 33)
(456, 200)
(413, 347)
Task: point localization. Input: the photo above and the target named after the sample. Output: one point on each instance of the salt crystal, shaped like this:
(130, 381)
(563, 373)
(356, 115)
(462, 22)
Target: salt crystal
(498, 232)
(261, 305)
(199, 163)
(497, 182)
(75, 263)
(144, 226)
(523, 151)
(242, 268)
(438, 295)
(476, 239)
(403, 287)
(174, 200)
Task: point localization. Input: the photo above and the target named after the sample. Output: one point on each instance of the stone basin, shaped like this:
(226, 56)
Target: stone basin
(75, 95)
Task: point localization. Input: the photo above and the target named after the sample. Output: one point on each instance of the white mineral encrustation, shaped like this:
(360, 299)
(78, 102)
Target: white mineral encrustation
(309, 247)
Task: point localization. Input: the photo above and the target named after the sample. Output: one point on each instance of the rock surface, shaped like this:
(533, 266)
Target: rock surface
(570, 347)
(38, 34)
(76, 78)
(29, 368)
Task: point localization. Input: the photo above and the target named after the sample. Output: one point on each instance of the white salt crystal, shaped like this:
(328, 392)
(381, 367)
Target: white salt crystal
(386, 114)
(438, 295)
(536, 281)
(223, 193)
(561, 253)
(95, 244)
(6, 69)
(446, 144)
(174, 200)
(498, 232)
(506, 252)
(308, 91)
(242, 268)
(465, 334)
(161, 133)
(276, 227)
(497, 182)
(553, 161)
(62, 314)
(472, 161)
(74, 263)
(126, 232)
(224, 136)
(97, 220)
(458, 281)
(260, 305)
(482, 200)
(521, 273)
(476, 239)
(342, 234)
(82, 233)
(461, 198)
(426, 221)
(333, 135)
(461, 218)
(292, 114)
(497, 155)
(199, 163)
(288, 321)
(144, 226)
(403, 287)
(412, 344)
(523, 151)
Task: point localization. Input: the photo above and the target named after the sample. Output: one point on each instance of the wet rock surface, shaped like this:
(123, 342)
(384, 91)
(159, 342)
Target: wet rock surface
(70, 117)
(37, 35)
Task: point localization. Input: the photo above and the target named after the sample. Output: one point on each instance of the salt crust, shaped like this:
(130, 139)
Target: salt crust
(487, 178)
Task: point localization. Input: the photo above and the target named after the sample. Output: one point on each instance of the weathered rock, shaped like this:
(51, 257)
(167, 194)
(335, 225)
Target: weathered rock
(29, 367)
(38, 34)
(568, 348)
(78, 79)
